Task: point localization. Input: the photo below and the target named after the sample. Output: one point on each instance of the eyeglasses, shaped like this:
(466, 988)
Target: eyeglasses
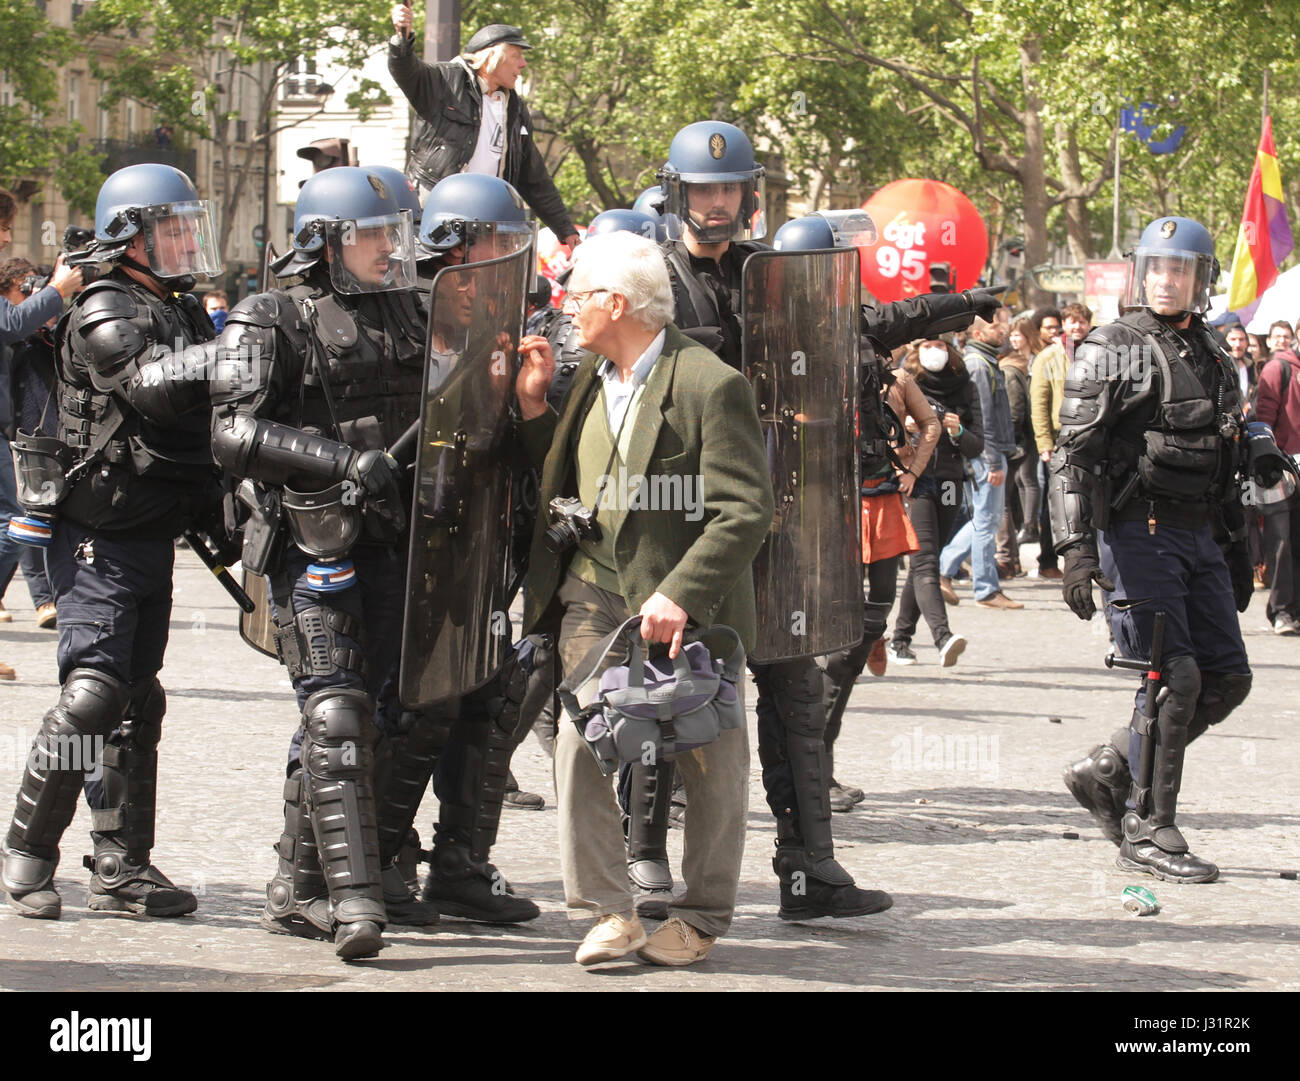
(577, 300)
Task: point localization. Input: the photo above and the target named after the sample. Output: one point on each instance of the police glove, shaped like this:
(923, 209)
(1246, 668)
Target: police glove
(1081, 570)
(985, 302)
(378, 482)
(1242, 574)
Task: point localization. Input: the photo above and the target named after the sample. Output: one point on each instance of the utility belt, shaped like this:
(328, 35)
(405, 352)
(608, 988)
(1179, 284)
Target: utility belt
(1162, 512)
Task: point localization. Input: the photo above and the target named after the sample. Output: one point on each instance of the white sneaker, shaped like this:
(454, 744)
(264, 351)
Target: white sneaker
(951, 650)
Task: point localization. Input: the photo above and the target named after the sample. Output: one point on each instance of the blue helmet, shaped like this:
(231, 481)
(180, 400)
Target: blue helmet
(162, 204)
(465, 208)
(1173, 268)
(338, 212)
(826, 229)
(720, 158)
(651, 201)
(402, 187)
(624, 221)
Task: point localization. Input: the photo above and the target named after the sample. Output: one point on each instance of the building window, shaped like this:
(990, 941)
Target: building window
(74, 97)
(132, 120)
(102, 117)
(301, 80)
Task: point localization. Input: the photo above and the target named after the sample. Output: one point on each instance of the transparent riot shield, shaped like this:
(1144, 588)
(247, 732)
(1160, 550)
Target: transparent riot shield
(800, 350)
(456, 633)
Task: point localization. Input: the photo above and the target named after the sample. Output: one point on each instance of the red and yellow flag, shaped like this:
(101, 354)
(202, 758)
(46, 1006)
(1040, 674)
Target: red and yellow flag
(1264, 239)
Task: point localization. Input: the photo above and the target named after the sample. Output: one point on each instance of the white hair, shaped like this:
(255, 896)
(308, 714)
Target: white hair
(485, 61)
(632, 266)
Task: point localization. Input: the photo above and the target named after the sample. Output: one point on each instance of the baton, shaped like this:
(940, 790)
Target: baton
(1150, 708)
(199, 543)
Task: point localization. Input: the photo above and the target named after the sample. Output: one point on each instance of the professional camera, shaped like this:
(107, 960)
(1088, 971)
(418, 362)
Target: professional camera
(570, 523)
(78, 250)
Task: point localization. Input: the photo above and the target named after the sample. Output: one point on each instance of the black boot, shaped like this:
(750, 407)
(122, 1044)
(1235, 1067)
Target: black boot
(1100, 781)
(515, 797)
(645, 827)
(297, 902)
(472, 891)
(123, 884)
(815, 888)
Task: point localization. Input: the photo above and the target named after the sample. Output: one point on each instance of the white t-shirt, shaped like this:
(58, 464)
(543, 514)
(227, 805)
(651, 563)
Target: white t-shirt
(489, 151)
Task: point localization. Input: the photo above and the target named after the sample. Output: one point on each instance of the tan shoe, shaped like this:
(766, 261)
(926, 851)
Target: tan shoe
(614, 936)
(676, 943)
(47, 616)
(946, 591)
(6, 672)
(5, 615)
(999, 600)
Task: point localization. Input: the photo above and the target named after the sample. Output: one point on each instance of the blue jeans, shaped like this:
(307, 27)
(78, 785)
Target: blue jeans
(978, 537)
(10, 549)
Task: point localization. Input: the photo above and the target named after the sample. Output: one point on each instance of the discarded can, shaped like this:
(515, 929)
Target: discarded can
(1140, 901)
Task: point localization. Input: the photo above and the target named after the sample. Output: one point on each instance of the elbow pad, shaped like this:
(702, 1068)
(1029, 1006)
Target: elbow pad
(274, 453)
(170, 385)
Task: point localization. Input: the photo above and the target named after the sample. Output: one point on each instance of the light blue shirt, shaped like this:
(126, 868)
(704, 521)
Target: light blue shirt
(618, 394)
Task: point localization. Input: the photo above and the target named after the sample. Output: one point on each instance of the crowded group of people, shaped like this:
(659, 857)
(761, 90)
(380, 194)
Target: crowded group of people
(358, 437)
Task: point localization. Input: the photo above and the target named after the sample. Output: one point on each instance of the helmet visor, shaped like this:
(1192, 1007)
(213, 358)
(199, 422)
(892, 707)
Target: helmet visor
(180, 239)
(371, 255)
(728, 206)
(1169, 281)
(851, 228)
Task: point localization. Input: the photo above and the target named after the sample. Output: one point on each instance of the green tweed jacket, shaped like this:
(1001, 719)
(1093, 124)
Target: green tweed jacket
(697, 421)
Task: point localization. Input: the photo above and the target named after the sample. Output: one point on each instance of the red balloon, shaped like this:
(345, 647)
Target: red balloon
(920, 223)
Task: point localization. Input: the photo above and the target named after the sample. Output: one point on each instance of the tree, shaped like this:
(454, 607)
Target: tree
(182, 58)
(31, 52)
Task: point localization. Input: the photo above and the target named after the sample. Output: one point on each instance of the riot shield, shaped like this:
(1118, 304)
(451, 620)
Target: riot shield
(799, 311)
(456, 632)
(257, 627)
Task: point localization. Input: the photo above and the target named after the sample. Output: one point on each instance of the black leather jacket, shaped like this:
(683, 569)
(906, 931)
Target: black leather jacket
(448, 100)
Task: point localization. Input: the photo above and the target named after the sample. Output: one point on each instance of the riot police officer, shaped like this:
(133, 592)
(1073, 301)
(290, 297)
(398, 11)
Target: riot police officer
(1145, 501)
(310, 385)
(884, 327)
(130, 470)
(464, 743)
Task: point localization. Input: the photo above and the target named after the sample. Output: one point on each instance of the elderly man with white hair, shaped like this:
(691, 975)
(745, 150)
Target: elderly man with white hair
(474, 121)
(647, 402)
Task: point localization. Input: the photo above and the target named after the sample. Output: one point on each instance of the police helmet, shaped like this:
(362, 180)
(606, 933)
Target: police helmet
(651, 201)
(624, 221)
(352, 219)
(719, 159)
(162, 204)
(473, 209)
(1173, 268)
(826, 229)
(408, 198)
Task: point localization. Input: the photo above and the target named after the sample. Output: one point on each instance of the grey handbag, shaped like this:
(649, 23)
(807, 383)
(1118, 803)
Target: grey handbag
(652, 709)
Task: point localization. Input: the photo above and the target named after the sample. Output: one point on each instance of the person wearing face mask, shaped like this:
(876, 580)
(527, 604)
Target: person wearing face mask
(939, 372)
(1146, 484)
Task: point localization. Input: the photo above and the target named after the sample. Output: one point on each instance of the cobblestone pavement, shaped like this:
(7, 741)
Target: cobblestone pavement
(965, 823)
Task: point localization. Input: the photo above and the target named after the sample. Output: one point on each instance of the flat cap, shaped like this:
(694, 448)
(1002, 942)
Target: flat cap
(496, 34)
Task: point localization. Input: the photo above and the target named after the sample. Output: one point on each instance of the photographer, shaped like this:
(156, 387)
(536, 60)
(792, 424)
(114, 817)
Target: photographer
(669, 410)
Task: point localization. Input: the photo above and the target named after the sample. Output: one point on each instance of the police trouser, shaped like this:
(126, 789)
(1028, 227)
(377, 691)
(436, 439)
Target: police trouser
(465, 746)
(1182, 573)
(114, 600)
(341, 651)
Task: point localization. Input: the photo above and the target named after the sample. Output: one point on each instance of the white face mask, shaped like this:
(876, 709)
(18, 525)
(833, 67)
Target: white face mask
(933, 358)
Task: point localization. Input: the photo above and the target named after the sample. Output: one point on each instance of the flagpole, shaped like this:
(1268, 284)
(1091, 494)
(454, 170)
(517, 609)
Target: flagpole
(1264, 116)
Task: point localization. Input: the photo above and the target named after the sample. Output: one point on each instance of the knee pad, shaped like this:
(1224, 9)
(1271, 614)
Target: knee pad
(92, 703)
(339, 724)
(1221, 693)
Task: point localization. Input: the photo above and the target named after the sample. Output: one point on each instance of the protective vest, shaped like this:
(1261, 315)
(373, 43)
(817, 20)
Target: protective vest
(135, 464)
(709, 304)
(1181, 454)
(362, 365)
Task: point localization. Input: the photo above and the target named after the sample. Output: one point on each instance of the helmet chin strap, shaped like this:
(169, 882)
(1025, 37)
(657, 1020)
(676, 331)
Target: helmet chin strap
(705, 235)
(182, 284)
(1172, 320)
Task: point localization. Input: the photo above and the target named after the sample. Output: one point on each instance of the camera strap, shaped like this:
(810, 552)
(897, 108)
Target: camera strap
(600, 401)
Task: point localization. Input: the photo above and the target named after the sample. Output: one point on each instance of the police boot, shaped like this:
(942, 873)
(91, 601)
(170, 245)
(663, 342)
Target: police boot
(460, 886)
(1100, 781)
(122, 816)
(514, 796)
(297, 902)
(1152, 842)
(337, 762)
(814, 885)
(645, 825)
(404, 762)
(90, 706)
(839, 676)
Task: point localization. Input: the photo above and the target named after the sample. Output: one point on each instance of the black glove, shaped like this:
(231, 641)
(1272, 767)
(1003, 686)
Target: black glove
(379, 484)
(1242, 574)
(1081, 570)
(985, 302)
